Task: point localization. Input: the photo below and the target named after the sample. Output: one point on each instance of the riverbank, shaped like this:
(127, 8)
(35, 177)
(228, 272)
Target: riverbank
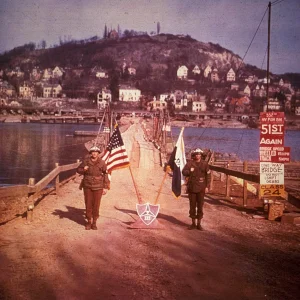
(291, 124)
(240, 255)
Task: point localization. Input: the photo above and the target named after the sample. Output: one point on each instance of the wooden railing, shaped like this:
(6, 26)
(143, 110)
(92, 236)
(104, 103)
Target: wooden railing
(32, 190)
(249, 171)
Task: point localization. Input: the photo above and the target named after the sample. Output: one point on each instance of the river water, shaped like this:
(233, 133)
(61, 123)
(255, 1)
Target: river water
(31, 150)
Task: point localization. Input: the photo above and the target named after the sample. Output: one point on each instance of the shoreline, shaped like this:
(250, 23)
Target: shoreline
(211, 123)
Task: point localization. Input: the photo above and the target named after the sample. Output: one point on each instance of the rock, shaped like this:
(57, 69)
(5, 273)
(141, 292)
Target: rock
(291, 218)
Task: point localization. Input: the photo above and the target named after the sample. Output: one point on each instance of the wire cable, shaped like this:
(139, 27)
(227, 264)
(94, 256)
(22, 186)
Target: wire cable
(264, 58)
(252, 39)
(276, 2)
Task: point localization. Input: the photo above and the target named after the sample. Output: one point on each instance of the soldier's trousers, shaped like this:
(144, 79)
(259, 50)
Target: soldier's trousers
(92, 199)
(196, 205)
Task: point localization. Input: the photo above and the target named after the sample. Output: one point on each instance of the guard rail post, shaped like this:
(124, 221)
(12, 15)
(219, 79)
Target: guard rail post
(228, 182)
(245, 190)
(212, 159)
(57, 180)
(30, 202)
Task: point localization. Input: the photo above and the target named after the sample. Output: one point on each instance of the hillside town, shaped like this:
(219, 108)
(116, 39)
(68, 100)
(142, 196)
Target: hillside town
(205, 89)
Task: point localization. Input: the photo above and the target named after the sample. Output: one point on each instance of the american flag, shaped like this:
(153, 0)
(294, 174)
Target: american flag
(115, 155)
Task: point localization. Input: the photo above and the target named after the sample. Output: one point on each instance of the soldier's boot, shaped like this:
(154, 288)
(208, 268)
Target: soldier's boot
(94, 225)
(88, 225)
(199, 227)
(193, 225)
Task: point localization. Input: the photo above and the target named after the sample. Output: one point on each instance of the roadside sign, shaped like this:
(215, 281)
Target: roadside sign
(275, 154)
(271, 173)
(272, 190)
(272, 128)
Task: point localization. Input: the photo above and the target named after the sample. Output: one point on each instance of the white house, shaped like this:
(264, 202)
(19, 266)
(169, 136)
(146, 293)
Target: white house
(199, 106)
(129, 94)
(207, 71)
(196, 70)
(57, 72)
(47, 74)
(182, 72)
(230, 75)
(157, 105)
(131, 71)
(163, 97)
(51, 90)
(103, 97)
(274, 105)
(101, 74)
(247, 91)
(25, 90)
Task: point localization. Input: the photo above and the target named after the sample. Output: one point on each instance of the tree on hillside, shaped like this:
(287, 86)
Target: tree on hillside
(105, 33)
(158, 27)
(114, 86)
(43, 44)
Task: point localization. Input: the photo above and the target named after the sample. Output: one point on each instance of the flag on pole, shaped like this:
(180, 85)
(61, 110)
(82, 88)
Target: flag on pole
(176, 162)
(115, 155)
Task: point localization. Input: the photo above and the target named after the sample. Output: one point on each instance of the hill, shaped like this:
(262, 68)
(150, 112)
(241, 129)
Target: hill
(155, 58)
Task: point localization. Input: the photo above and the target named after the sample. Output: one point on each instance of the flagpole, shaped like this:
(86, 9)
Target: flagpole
(161, 185)
(135, 186)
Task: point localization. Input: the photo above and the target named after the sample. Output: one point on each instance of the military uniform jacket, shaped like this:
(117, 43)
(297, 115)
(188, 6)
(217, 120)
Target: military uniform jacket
(199, 179)
(96, 176)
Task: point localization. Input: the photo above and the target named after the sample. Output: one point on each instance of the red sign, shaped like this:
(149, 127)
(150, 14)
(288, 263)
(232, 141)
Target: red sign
(272, 129)
(275, 154)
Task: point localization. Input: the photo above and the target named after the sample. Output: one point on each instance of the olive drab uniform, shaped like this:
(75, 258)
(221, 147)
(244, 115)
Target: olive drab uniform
(95, 179)
(198, 180)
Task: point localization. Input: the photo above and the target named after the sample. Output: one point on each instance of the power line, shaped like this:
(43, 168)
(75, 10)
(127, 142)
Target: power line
(276, 2)
(264, 58)
(253, 38)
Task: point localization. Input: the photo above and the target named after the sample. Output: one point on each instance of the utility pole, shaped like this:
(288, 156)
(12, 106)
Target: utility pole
(268, 59)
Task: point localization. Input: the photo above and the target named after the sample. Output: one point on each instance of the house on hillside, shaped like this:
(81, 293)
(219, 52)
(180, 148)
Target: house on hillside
(214, 75)
(182, 72)
(103, 98)
(131, 71)
(239, 105)
(129, 94)
(35, 74)
(47, 74)
(163, 97)
(58, 72)
(15, 72)
(196, 70)
(157, 105)
(251, 79)
(198, 106)
(101, 74)
(273, 105)
(52, 90)
(7, 89)
(230, 75)
(113, 34)
(235, 86)
(246, 91)
(259, 91)
(207, 71)
(26, 90)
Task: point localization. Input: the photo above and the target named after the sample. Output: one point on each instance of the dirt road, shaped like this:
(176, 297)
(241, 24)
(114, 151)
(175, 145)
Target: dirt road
(236, 257)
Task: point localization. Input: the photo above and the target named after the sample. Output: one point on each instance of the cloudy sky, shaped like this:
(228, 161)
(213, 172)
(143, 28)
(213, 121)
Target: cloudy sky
(230, 23)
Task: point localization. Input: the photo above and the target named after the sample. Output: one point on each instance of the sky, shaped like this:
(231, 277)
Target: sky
(229, 23)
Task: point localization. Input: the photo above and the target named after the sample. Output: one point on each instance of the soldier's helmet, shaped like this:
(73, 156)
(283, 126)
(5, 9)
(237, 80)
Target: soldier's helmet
(95, 149)
(196, 151)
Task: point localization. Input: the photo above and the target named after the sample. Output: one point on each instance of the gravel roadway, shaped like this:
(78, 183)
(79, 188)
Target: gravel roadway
(236, 257)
